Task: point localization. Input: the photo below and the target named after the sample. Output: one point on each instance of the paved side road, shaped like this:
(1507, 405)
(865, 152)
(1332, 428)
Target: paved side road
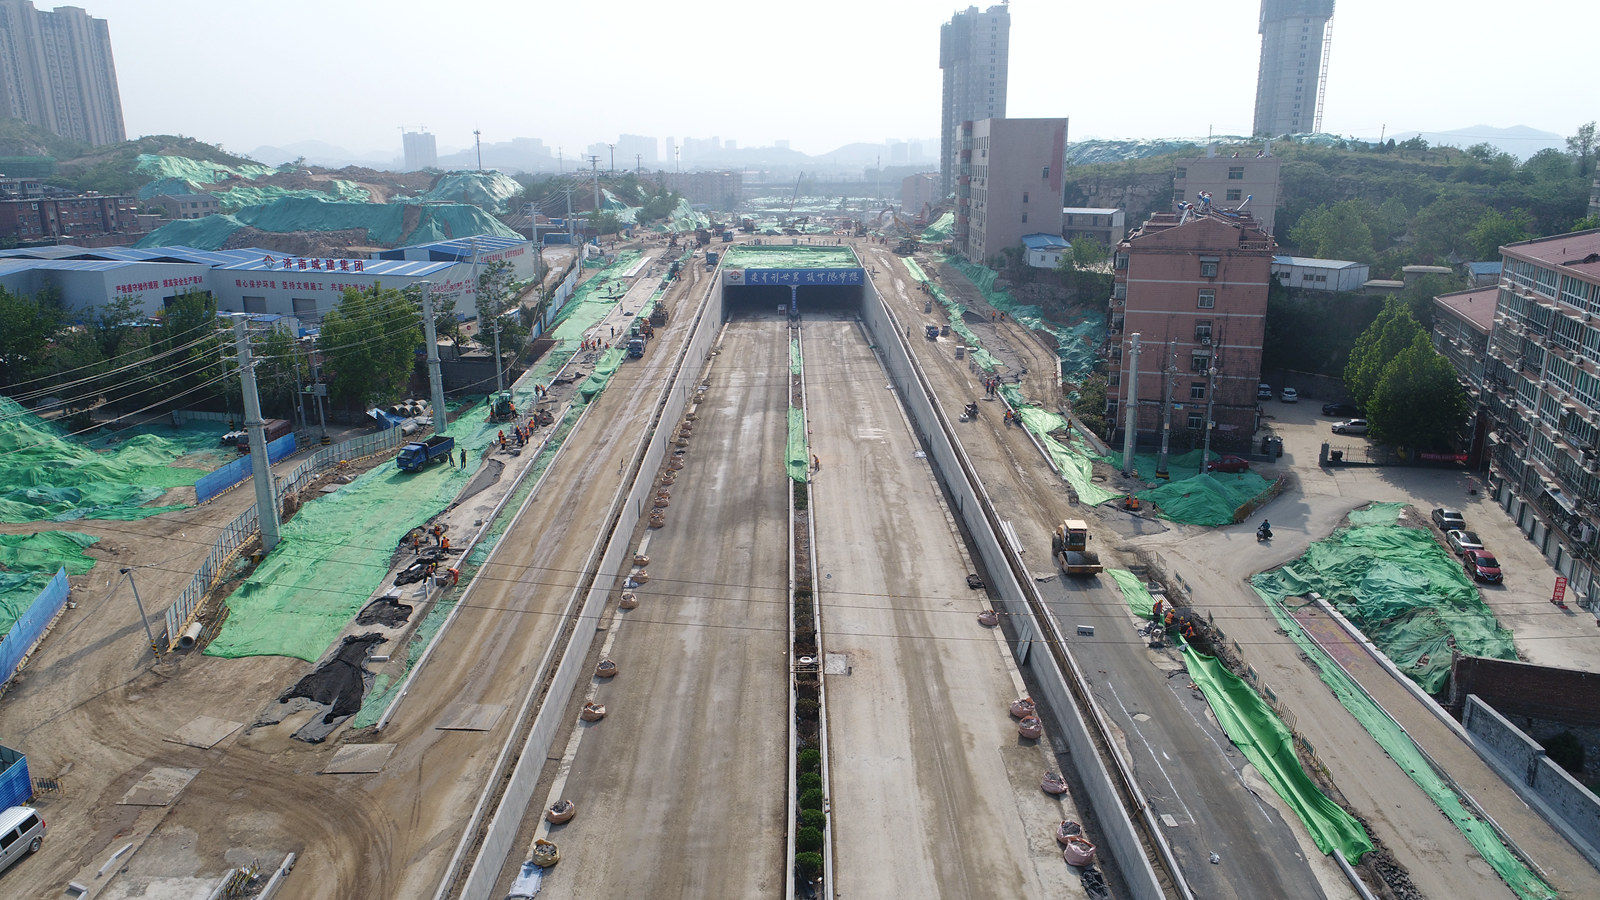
(933, 792)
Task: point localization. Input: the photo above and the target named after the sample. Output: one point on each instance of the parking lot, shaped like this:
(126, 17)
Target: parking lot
(1544, 633)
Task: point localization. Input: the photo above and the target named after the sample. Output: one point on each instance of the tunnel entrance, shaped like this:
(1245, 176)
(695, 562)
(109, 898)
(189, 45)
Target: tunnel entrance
(799, 278)
(746, 300)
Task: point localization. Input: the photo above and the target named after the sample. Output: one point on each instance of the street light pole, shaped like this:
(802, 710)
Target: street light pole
(1211, 396)
(142, 617)
(1131, 414)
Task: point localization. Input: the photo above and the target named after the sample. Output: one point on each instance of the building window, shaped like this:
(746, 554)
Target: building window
(1197, 421)
(1200, 362)
(1208, 299)
(1235, 194)
(1236, 173)
(1197, 391)
(1208, 268)
(1024, 218)
(1202, 331)
(1024, 196)
(1183, 172)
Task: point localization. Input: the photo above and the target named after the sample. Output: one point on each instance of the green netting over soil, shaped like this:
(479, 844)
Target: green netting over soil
(491, 190)
(1263, 739)
(167, 186)
(195, 171)
(385, 223)
(1210, 499)
(796, 458)
(955, 312)
(790, 256)
(1405, 753)
(1403, 591)
(29, 561)
(1377, 514)
(794, 358)
(258, 194)
(941, 229)
(47, 475)
(300, 598)
(682, 218)
(1076, 342)
(1071, 457)
(603, 370)
(1134, 591)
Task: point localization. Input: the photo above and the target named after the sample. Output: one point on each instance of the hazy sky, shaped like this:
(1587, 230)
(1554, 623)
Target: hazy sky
(818, 72)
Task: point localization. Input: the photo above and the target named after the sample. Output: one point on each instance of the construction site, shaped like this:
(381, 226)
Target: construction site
(786, 551)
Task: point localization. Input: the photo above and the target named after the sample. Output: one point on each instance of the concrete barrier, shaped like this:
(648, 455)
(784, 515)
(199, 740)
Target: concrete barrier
(500, 835)
(1118, 835)
(1572, 808)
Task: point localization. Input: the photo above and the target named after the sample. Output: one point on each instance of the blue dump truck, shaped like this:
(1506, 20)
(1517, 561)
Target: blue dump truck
(711, 260)
(415, 456)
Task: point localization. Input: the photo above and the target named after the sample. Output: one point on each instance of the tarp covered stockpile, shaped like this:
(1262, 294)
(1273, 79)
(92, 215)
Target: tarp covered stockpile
(27, 563)
(789, 256)
(1405, 593)
(385, 224)
(47, 475)
(299, 599)
(491, 191)
(941, 229)
(1076, 343)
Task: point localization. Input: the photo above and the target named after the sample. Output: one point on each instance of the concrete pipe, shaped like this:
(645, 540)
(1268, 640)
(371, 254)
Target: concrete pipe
(668, 478)
(639, 559)
(640, 577)
(657, 520)
(661, 503)
(675, 464)
(629, 600)
(683, 442)
(186, 641)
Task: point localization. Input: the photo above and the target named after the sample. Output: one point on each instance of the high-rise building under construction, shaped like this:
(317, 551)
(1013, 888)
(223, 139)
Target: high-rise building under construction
(1294, 66)
(56, 72)
(974, 51)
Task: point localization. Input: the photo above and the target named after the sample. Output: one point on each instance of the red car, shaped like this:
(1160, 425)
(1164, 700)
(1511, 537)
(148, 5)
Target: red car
(1481, 565)
(1233, 464)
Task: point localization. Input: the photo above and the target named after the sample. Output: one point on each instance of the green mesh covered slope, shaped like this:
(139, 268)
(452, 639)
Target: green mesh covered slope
(27, 563)
(789, 256)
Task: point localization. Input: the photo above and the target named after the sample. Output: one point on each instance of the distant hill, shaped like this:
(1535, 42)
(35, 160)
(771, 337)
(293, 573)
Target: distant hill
(18, 138)
(321, 153)
(1518, 140)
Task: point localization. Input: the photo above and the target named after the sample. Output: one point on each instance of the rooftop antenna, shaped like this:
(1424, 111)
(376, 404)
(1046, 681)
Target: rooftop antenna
(477, 140)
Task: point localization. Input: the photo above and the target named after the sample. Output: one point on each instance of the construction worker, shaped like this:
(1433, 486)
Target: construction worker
(444, 542)
(455, 575)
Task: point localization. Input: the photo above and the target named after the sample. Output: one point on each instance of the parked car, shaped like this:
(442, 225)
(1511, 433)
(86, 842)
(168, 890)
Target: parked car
(1263, 391)
(1482, 565)
(1233, 464)
(21, 833)
(1290, 395)
(1341, 409)
(1350, 426)
(1462, 541)
(1449, 519)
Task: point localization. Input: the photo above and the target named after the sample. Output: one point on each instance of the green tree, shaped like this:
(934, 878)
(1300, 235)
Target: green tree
(1392, 331)
(1586, 223)
(1495, 228)
(1419, 294)
(1339, 231)
(1418, 402)
(1440, 228)
(606, 223)
(276, 372)
(189, 331)
(25, 336)
(1088, 253)
(369, 343)
(1582, 145)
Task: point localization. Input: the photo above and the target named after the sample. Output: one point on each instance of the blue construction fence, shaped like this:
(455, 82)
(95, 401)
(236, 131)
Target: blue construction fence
(214, 483)
(16, 786)
(30, 626)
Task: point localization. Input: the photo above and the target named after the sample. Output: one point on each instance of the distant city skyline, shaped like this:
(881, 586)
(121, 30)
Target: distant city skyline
(1393, 67)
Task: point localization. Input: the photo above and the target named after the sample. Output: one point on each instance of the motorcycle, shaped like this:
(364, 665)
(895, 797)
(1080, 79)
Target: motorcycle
(1263, 534)
(970, 413)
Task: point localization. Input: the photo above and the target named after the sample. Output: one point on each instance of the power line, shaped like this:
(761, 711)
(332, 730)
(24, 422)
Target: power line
(15, 385)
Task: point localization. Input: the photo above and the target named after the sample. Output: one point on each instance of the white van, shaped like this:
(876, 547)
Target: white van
(21, 833)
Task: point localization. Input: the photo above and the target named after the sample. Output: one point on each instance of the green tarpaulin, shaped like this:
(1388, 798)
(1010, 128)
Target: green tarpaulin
(1134, 591)
(1077, 343)
(1405, 593)
(797, 458)
(300, 598)
(491, 191)
(385, 224)
(29, 561)
(941, 229)
(789, 256)
(794, 357)
(1257, 732)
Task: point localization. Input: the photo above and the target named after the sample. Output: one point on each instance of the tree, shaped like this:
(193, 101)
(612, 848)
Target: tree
(188, 329)
(606, 223)
(369, 343)
(1582, 145)
(1494, 229)
(25, 335)
(1088, 253)
(1391, 332)
(1418, 403)
(1586, 223)
(1440, 228)
(1339, 231)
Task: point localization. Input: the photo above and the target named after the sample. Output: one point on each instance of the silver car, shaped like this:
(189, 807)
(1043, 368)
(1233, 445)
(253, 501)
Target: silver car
(1350, 426)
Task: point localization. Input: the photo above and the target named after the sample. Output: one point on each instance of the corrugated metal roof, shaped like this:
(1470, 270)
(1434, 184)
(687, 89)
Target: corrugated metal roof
(10, 266)
(400, 267)
(1484, 268)
(1089, 210)
(486, 243)
(1308, 262)
(1043, 241)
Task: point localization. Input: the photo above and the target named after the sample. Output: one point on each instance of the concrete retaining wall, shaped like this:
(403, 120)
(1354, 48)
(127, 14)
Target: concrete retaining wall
(1118, 834)
(501, 834)
(1575, 807)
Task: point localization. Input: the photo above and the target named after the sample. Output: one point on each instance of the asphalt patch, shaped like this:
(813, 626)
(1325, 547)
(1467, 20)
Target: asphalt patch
(385, 611)
(338, 684)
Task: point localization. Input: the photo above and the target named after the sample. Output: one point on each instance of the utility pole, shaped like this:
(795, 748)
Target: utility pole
(561, 165)
(612, 170)
(477, 140)
(677, 159)
(1166, 411)
(1131, 415)
(594, 165)
(441, 421)
(638, 164)
(1211, 396)
(266, 499)
(142, 617)
(880, 176)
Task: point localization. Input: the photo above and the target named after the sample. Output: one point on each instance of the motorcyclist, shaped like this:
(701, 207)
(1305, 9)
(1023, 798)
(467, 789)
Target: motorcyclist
(1265, 529)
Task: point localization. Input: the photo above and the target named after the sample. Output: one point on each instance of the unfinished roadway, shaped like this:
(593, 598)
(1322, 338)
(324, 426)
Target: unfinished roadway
(681, 788)
(933, 792)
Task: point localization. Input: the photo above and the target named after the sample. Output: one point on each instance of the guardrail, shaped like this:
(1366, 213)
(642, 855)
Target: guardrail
(244, 528)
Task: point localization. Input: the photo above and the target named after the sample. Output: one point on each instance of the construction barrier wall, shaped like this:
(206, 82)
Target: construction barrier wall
(1118, 834)
(214, 483)
(16, 785)
(499, 839)
(31, 625)
(1524, 765)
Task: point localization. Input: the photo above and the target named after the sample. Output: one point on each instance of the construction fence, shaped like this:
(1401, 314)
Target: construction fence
(31, 625)
(214, 483)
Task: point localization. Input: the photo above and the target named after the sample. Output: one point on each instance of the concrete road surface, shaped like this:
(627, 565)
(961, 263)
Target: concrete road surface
(932, 790)
(682, 789)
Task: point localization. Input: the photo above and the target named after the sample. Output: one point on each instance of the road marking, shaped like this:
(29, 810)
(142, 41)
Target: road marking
(1176, 795)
